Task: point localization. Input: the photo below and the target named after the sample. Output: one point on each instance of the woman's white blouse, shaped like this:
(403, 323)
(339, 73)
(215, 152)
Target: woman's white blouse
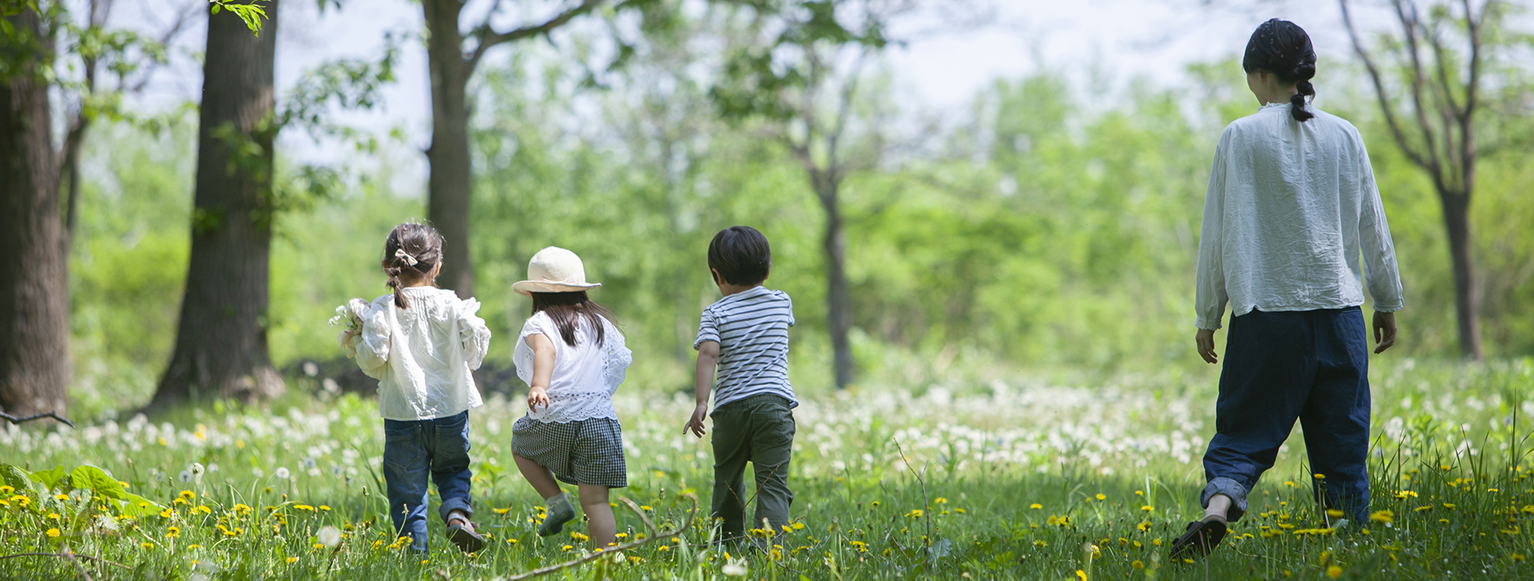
(585, 376)
(423, 356)
(1291, 207)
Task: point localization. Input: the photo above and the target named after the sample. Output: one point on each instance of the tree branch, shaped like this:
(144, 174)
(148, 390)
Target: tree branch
(655, 535)
(1383, 96)
(488, 37)
(1410, 22)
(51, 414)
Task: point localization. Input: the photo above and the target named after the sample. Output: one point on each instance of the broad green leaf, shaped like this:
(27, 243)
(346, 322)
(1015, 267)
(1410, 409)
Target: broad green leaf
(97, 481)
(137, 506)
(50, 477)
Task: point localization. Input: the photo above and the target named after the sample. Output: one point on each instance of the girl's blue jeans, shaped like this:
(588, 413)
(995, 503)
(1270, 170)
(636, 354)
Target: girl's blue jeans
(1311, 366)
(412, 451)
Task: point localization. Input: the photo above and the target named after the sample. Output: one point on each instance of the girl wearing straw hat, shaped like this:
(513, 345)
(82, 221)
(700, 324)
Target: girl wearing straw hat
(572, 358)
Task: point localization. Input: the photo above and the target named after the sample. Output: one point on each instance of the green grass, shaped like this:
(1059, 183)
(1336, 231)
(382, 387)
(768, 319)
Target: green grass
(997, 480)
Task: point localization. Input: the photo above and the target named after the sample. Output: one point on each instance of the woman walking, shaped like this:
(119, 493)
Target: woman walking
(1292, 205)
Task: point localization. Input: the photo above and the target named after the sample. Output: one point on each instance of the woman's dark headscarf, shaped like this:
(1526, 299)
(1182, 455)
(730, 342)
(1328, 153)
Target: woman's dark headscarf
(1282, 48)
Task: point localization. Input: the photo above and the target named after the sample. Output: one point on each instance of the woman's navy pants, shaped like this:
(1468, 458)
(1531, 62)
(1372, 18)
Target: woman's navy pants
(1311, 366)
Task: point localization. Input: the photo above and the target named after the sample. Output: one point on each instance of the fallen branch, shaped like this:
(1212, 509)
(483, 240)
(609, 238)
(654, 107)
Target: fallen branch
(54, 415)
(606, 552)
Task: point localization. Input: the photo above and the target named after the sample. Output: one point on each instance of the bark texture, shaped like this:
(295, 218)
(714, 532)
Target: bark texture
(838, 298)
(34, 310)
(448, 186)
(221, 346)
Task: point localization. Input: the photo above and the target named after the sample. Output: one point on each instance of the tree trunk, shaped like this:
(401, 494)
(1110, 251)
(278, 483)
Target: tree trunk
(1467, 300)
(448, 186)
(221, 340)
(34, 313)
(838, 300)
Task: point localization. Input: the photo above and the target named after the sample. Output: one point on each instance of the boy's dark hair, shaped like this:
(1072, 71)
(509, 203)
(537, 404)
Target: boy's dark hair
(566, 309)
(410, 242)
(741, 255)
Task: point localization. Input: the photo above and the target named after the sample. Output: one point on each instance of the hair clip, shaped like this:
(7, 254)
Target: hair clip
(400, 253)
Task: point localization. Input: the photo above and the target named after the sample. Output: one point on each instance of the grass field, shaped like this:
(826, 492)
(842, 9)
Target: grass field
(1003, 480)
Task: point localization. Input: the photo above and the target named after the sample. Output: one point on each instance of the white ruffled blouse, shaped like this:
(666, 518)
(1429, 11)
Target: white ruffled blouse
(1293, 220)
(585, 376)
(423, 356)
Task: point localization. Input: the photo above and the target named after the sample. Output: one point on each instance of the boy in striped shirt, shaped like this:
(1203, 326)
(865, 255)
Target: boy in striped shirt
(744, 336)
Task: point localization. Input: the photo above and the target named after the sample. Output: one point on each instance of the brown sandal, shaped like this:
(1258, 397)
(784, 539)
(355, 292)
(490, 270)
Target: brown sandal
(464, 535)
(1201, 538)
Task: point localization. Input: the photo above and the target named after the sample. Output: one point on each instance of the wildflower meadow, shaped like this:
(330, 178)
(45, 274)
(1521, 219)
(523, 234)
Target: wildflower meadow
(1025, 479)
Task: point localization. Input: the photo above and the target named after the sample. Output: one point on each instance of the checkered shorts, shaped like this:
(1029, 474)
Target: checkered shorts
(579, 452)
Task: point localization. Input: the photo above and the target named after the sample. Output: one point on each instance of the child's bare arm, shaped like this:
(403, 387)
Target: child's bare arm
(708, 360)
(543, 370)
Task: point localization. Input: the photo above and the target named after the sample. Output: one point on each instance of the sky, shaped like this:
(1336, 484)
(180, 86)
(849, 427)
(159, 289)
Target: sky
(1127, 39)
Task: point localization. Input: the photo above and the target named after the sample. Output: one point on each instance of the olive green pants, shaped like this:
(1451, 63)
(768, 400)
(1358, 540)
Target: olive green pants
(760, 430)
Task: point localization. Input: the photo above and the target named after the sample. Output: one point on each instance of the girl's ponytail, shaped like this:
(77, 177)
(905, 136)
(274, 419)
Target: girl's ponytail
(1297, 100)
(394, 283)
(411, 252)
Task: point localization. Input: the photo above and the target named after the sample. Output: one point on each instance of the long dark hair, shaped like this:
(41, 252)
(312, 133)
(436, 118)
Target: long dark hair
(1282, 48)
(567, 309)
(420, 243)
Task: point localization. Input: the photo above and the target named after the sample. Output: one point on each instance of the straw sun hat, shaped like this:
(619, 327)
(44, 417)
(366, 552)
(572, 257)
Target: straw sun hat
(554, 270)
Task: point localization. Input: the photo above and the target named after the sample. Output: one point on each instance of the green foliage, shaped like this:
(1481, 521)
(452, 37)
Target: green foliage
(251, 13)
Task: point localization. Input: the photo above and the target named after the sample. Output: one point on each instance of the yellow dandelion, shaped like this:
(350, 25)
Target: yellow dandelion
(1147, 508)
(1035, 506)
(1101, 496)
(1334, 513)
(1448, 505)
(1156, 542)
(1137, 565)
(502, 510)
(172, 533)
(1383, 516)
(1319, 476)
(147, 545)
(292, 560)
(187, 494)
(1082, 575)
(54, 532)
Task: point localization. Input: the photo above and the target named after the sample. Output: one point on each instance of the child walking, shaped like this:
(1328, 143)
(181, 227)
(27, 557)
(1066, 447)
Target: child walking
(745, 334)
(421, 343)
(572, 358)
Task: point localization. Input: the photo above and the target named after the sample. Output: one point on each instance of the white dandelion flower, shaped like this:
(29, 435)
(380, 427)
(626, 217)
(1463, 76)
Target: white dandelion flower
(309, 462)
(281, 473)
(329, 536)
(186, 476)
(734, 568)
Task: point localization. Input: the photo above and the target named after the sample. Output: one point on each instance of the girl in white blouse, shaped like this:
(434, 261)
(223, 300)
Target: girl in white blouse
(1293, 229)
(422, 343)
(573, 358)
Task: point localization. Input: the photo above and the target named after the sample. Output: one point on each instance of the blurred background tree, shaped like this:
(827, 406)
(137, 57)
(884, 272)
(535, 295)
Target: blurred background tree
(1048, 227)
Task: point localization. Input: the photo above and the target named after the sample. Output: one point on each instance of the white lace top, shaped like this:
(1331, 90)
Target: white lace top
(585, 376)
(422, 356)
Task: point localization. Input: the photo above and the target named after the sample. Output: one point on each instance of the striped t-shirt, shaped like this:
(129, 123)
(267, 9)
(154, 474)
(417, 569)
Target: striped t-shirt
(751, 328)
